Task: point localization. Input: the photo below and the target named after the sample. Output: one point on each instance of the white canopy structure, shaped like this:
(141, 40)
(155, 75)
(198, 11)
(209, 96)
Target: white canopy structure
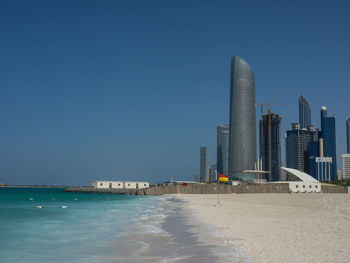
(297, 175)
(301, 182)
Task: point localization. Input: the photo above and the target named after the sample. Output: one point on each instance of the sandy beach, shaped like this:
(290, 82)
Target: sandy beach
(280, 227)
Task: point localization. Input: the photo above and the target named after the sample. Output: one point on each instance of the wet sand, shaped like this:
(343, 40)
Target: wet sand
(279, 227)
(175, 235)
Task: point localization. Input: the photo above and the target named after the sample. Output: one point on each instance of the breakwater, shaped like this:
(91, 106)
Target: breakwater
(92, 190)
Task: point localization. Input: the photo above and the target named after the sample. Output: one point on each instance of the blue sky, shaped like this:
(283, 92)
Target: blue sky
(131, 89)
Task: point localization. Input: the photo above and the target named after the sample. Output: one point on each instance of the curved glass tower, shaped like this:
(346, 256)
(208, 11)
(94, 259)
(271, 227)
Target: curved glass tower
(242, 148)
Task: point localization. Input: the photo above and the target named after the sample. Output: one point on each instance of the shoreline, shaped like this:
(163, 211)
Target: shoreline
(176, 235)
(279, 227)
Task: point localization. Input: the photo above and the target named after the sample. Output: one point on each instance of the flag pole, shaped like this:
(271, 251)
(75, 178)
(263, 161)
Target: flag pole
(217, 193)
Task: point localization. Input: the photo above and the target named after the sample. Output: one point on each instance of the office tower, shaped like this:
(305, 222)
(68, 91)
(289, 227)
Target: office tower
(213, 172)
(348, 134)
(313, 150)
(304, 112)
(321, 168)
(204, 164)
(270, 150)
(297, 141)
(346, 166)
(242, 139)
(223, 135)
(329, 140)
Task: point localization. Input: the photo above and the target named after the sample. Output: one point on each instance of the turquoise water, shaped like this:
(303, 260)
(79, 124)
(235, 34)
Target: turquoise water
(88, 230)
(103, 228)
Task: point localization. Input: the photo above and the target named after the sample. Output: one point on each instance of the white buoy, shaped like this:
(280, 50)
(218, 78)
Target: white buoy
(63, 206)
(39, 206)
(31, 199)
(75, 199)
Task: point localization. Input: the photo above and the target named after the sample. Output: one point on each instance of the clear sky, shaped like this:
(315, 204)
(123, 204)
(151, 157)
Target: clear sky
(129, 90)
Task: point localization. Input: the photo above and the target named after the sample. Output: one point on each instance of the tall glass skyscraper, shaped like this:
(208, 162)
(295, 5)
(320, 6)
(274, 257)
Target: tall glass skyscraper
(304, 112)
(223, 134)
(329, 140)
(270, 152)
(348, 133)
(242, 148)
(204, 164)
(297, 142)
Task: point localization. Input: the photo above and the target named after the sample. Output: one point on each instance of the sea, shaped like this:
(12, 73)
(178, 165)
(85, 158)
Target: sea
(49, 225)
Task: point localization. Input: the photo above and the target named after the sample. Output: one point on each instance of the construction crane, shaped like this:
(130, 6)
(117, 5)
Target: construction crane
(261, 128)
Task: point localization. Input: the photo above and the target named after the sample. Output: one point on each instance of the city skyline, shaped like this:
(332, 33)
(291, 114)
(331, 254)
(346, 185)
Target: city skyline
(132, 90)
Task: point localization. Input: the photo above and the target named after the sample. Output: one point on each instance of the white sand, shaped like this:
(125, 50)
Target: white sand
(281, 227)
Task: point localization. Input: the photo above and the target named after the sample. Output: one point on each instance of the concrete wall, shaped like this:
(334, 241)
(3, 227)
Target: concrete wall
(337, 189)
(206, 189)
(213, 189)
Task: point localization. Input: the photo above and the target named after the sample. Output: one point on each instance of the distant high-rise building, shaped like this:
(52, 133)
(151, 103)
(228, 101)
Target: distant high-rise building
(304, 112)
(339, 175)
(329, 140)
(196, 178)
(213, 172)
(223, 135)
(313, 152)
(346, 166)
(204, 164)
(270, 150)
(297, 141)
(242, 139)
(348, 134)
(322, 168)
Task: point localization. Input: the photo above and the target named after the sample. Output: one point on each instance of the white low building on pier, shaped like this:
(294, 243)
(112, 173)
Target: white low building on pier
(120, 185)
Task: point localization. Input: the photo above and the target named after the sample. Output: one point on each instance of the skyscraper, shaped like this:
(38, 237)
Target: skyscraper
(270, 151)
(329, 140)
(223, 134)
(204, 164)
(304, 112)
(213, 172)
(346, 166)
(297, 141)
(242, 148)
(348, 133)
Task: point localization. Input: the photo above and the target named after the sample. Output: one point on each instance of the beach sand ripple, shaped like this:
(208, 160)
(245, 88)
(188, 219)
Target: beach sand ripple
(280, 227)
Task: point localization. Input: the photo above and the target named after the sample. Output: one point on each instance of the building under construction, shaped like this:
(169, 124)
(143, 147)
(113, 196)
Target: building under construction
(270, 145)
